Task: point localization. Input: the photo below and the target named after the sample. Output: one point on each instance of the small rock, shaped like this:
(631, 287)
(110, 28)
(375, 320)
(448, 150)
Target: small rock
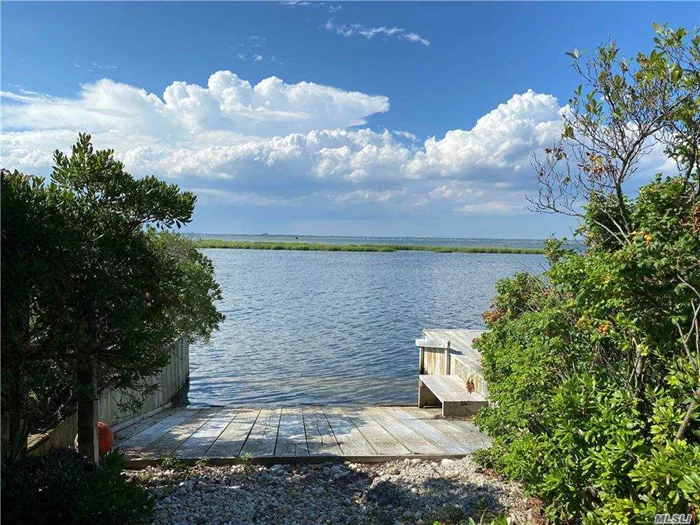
(386, 493)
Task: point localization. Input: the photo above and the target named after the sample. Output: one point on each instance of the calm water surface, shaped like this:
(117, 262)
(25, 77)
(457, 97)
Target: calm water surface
(336, 327)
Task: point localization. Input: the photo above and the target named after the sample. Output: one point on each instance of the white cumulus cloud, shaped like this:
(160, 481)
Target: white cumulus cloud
(227, 103)
(499, 146)
(275, 143)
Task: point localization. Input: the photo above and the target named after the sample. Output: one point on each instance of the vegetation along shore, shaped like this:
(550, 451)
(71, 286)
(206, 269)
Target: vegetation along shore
(318, 247)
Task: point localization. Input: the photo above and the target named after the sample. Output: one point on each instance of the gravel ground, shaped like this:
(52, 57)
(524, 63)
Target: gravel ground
(397, 492)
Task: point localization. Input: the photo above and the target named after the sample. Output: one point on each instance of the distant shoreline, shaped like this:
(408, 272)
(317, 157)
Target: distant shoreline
(369, 238)
(320, 247)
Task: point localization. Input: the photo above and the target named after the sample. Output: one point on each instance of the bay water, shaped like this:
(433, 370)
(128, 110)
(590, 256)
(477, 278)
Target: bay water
(338, 327)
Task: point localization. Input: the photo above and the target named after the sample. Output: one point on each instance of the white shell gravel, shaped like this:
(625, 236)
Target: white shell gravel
(409, 491)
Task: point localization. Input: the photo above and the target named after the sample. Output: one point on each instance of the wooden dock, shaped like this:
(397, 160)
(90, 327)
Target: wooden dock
(224, 435)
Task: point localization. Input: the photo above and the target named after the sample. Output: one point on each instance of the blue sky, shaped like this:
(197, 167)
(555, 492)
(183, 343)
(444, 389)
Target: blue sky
(329, 118)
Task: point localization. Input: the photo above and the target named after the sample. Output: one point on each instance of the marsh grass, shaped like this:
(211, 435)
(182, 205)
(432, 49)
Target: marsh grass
(319, 247)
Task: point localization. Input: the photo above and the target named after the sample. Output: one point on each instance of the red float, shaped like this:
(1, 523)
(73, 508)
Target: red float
(105, 436)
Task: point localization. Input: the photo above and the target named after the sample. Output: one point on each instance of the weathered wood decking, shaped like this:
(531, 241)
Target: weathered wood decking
(451, 392)
(450, 372)
(302, 433)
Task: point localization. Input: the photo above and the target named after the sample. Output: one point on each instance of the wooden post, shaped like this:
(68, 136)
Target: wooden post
(447, 359)
(421, 359)
(88, 444)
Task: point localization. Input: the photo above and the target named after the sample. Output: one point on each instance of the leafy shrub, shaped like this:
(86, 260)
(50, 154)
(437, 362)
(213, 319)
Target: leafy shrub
(60, 487)
(594, 366)
(592, 375)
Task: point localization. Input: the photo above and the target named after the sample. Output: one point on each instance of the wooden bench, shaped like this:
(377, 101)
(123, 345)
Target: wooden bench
(451, 392)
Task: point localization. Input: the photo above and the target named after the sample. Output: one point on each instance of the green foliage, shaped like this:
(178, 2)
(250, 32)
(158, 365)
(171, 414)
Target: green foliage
(174, 463)
(60, 487)
(247, 461)
(106, 497)
(33, 250)
(500, 520)
(95, 278)
(203, 462)
(590, 374)
(594, 366)
(14, 450)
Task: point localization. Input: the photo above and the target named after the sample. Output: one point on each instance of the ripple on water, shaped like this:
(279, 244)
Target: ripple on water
(336, 327)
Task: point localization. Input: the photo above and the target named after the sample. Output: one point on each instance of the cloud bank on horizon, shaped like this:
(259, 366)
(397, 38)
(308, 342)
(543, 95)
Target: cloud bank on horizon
(279, 144)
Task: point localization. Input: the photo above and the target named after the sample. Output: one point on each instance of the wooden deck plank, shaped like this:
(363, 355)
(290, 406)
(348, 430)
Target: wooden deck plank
(418, 413)
(382, 441)
(433, 383)
(263, 437)
(291, 438)
(468, 434)
(149, 435)
(425, 428)
(166, 444)
(133, 429)
(464, 433)
(311, 433)
(405, 413)
(460, 342)
(319, 434)
(231, 440)
(457, 436)
(197, 445)
(450, 388)
(408, 437)
(349, 438)
(411, 412)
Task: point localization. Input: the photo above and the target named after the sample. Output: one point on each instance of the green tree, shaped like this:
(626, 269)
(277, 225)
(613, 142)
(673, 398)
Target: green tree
(122, 288)
(594, 367)
(34, 239)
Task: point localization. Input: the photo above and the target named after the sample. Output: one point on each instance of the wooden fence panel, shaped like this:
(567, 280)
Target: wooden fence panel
(170, 380)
